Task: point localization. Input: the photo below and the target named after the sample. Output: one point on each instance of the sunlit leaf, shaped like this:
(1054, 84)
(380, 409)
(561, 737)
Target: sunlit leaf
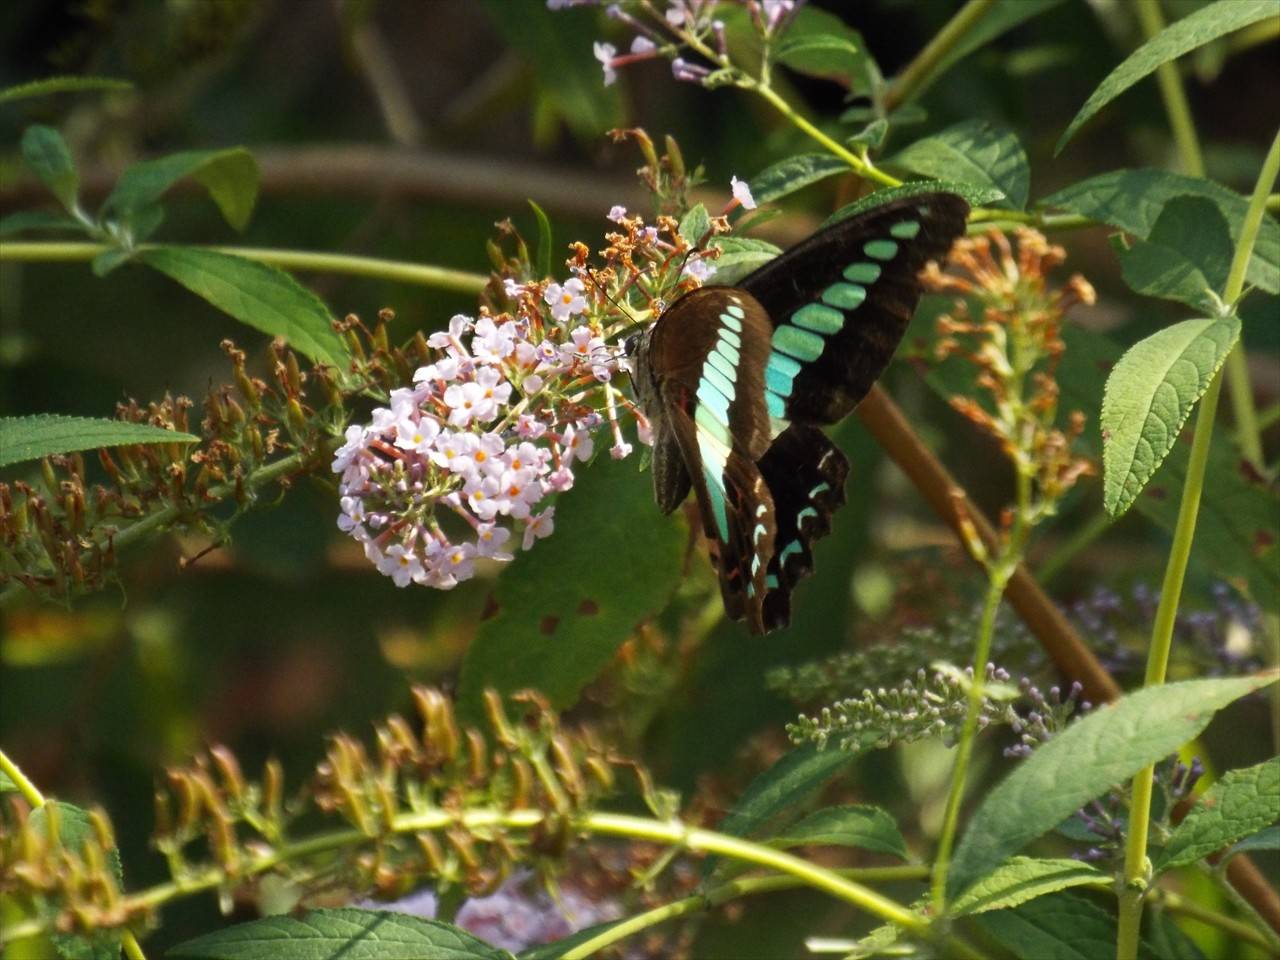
(794, 173)
(1025, 878)
(45, 435)
(1149, 395)
(51, 85)
(1240, 804)
(975, 195)
(976, 152)
(1181, 37)
(1187, 254)
(866, 827)
(739, 256)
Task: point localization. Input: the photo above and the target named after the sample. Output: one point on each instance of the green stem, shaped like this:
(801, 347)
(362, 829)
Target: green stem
(1136, 865)
(859, 166)
(441, 278)
(672, 832)
(741, 887)
(31, 793)
(170, 514)
(1177, 903)
(920, 71)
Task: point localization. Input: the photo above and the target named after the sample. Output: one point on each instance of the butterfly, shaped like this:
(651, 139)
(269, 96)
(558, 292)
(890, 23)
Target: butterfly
(737, 381)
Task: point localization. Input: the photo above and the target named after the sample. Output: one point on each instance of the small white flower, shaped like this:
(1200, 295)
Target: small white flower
(605, 52)
(616, 213)
(742, 193)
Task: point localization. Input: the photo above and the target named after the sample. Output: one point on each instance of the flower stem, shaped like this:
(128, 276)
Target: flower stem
(741, 887)
(920, 71)
(1136, 865)
(441, 278)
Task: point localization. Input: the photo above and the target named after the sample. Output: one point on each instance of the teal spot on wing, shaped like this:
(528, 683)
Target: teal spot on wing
(800, 344)
(820, 318)
(819, 488)
(721, 368)
(880, 249)
(732, 322)
(784, 364)
(730, 353)
(713, 399)
(793, 547)
(776, 404)
(905, 230)
(862, 272)
(771, 581)
(806, 512)
(778, 381)
(846, 296)
(716, 495)
(731, 338)
(706, 420)
(735, 310)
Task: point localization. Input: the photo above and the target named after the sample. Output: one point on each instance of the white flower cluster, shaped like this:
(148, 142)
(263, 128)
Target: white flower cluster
(489, 430)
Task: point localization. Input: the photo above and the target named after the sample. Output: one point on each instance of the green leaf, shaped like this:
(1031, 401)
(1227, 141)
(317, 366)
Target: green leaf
(1001, 17)
(46, 434)
(1206, 24)
(542, 263)
(820, 44)
(784, 786)
(261, 296)
(38, 220)
(695, 224)
(1149, 395)
(564, 607)
(49, 158)
(1063, 926)
(794, 173)
(867, 827)
(346, 933)
(1188, 254)
(74, 829)
(1132, 200)
(974, 195)
(1268, 839)
(1023, 879)
(739, 256)
(52, 85)
(558, 948)
(974, 151)
(872, 136)
(109, 260)
(1238, 805)
(559, 48)
(1091, 756)
(1235, 536)
(230, 176)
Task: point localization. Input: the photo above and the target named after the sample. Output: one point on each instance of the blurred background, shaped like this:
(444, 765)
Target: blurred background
(405, 129)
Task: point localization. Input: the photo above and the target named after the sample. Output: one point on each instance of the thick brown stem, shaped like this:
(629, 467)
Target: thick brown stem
(1069, 653)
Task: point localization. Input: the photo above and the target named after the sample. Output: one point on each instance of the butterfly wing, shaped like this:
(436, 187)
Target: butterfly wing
(705, 362)
(841, 300)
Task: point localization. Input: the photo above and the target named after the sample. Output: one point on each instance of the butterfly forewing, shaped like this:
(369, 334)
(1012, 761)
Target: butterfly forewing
(734, 380)
(841, 301)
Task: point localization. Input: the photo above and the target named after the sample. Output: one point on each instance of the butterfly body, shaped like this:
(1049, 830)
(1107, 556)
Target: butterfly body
(736, 382)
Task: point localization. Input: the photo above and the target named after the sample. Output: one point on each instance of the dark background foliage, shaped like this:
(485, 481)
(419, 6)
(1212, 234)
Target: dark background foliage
(287, 633)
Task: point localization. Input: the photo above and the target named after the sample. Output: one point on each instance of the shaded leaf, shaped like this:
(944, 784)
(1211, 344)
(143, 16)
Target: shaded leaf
(1268, 839)
(794, 173)
(74, 829)
(261, 296)
(51, 85)
(38, 220)
(1062, 926)
(784, 786)
(976, 152)
(230, 176)
(739, 256)
(1132, 200)
(47, 434)
(1090, 757)
(1001, 17)
(866, 827)
(49, 158)
(1238, 805)
(1025, 878)
(1188, 253)
(542, 259)
(564, 607)
(1206, 24)
(820, 44)
(1149, 395)
(974, 195)
(1166, 940)
(695, 224)
(346, 933)
(559, 48)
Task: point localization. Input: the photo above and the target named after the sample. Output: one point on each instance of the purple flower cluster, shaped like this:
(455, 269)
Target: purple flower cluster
(490, 428)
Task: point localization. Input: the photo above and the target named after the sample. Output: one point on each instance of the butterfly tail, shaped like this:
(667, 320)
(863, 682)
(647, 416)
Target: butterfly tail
(806, 474)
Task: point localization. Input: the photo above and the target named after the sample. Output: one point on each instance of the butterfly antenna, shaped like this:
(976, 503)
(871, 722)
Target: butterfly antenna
(631, 319)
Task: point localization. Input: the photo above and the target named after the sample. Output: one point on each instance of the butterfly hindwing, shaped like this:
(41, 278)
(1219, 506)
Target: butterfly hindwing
(806, 474)
(841, 301)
